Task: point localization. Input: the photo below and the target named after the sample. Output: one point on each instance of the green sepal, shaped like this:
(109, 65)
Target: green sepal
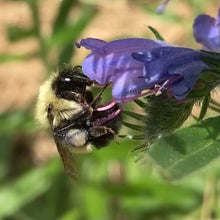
(134, 115)
(134, 126)
(156, 33)
(205, 106)
(164, 115)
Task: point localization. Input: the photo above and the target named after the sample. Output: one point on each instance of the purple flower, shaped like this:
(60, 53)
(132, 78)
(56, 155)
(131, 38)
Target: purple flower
(206, 31)
(161, 8)
(112, 62)
(134, 65)
(174, 68)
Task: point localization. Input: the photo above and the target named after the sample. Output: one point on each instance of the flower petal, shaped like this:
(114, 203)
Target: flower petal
(190, 72)
(164, 62)
(128, 85)
(135, 64)
(105, 68)
(158, 60)
(109, 59)
(92, 43)
(206, 32)
(180, 90)
(132, 45)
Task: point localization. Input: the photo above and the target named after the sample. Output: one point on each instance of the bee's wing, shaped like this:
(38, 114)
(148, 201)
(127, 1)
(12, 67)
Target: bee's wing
(67, 159)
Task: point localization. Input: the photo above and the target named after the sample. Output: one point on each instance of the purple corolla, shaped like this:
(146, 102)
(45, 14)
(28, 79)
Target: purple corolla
(174, 68)
(206, 31)
(161, 8)
(134, 65)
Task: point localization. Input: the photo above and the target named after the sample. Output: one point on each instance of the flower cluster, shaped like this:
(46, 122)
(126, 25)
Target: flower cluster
(206, 30)
(139, 67)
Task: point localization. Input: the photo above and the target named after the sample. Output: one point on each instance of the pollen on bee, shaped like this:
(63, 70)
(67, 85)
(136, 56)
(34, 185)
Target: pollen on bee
(144, 91)
(89, 148)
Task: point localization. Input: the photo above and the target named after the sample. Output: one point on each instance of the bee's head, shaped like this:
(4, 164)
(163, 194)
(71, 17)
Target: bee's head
(71, 79)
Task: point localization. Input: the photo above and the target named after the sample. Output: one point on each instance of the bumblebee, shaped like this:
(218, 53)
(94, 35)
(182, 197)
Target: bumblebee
(76, 119)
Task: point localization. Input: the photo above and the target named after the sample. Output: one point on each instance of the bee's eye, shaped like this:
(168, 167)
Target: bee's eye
(65, 79)
(76, 137)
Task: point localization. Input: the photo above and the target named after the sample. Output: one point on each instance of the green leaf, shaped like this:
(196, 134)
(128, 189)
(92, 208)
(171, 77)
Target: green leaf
(70, 32)
(64, 9)
(212, 58)
(156, 33)
(214, 108)
(65, 55)
(140, 103)
(134, 115)
(164, 115)
(133, 126)
(73, 214)
(26, 188)
(59, 191)
(188, 149)
(212, 101)
(12, 122)
(139, 147)
(5, 142)
(95, 203)
(16, 33)
(136, 137)
(205, 105)
(16, 57)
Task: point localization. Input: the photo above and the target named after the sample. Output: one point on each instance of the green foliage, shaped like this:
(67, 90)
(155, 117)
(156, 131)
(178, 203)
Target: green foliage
(156, 33)
(63, 12)
(16, 57)
(134, 115)
(18, 33)
(26, 188)
(188, 149)
(178, 153)
(110, 185)
(12, 122)
(164, 115)
(64, 34)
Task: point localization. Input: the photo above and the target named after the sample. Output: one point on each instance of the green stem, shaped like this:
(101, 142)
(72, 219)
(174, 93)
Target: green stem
(36, 26)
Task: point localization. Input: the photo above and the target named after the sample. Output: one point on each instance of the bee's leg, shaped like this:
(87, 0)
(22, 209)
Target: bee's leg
(97, 99)
(102, 121)
(106, 107)
(98, 131)
(73, 123)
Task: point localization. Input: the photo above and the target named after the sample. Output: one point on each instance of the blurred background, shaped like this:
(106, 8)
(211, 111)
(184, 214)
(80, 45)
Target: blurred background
(36, 38)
